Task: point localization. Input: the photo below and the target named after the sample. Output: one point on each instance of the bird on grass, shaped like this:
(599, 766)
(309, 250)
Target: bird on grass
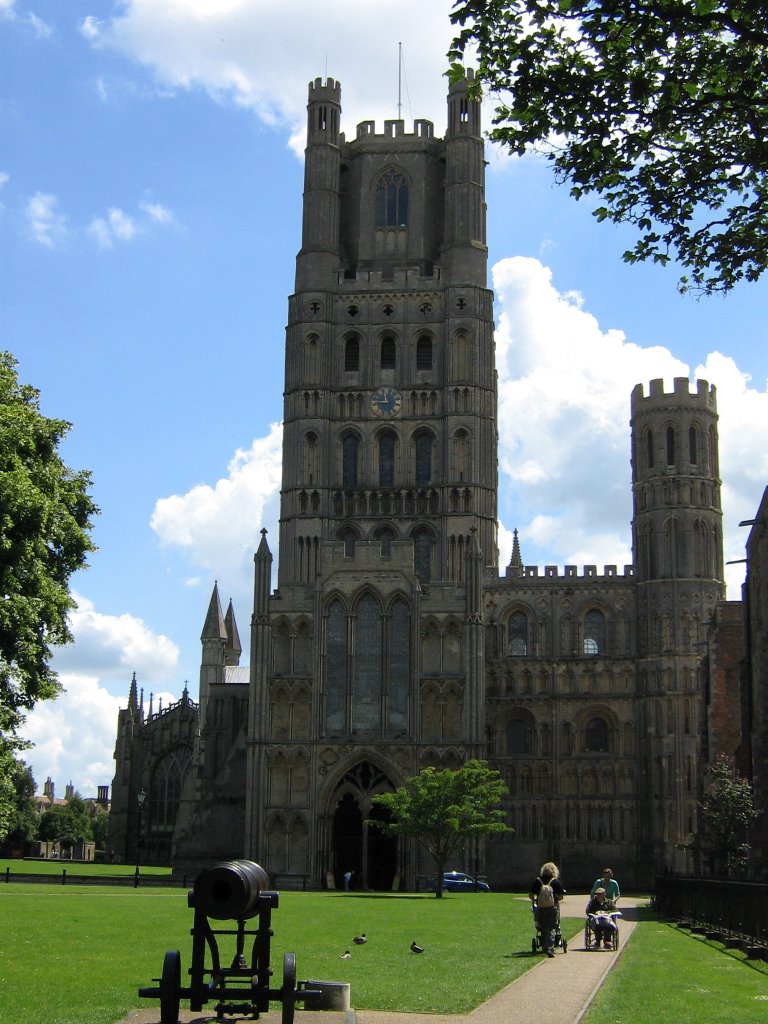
(346, 955)
(360, 940)
(416, 948)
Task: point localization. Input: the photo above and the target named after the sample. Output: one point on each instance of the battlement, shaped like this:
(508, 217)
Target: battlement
(704, 392)
(324, 92)
(395, 129)
(552, 572)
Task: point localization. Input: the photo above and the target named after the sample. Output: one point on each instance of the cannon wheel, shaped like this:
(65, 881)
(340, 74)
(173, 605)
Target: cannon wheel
(170, 988)
(288, 992)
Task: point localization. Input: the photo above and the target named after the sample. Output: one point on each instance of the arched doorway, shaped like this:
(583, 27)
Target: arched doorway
(357, 847)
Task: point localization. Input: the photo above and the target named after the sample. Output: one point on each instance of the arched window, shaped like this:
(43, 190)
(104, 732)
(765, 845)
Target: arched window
(424, 353)
(385, 536)
(692, 446)
(517, 633)
(391, 200)
(596, 736)
(388, 352)
(165, 788)
(461, 455)
(594, 632)
(423, 459)
(670, 446)
(349, 537)
(387, 459)
(310, 459)
(422, 554)
(649, 447)
(311, 359)
(352, 354)
(350, 455)
(517, 738)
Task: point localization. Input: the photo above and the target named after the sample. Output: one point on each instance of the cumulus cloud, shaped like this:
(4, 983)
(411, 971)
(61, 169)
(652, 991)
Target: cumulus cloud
(564, 442)
(45, 224)
(237, 49)
(74, 735)
(218, 526)
(113, 646)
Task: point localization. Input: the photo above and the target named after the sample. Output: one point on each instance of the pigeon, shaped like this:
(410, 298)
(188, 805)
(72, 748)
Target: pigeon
(360, 940)
(346, 955)
(416, 948)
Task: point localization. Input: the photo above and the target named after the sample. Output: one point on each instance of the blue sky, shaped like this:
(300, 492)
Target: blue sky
(150, 201)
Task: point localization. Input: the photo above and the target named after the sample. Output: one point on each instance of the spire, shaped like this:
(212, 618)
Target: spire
(234, 647)
(262, 578)
(515, 567)
(133, 699)
(214, 627)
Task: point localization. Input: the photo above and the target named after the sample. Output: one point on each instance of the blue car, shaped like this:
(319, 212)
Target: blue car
(459, 881)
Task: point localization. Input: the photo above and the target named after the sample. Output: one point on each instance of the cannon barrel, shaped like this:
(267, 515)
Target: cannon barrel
(229, 890)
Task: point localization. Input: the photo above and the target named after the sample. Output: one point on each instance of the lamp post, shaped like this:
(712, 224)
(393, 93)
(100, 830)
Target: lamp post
(141, 797)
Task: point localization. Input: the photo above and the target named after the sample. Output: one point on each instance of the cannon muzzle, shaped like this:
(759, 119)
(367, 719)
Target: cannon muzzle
(229, 890)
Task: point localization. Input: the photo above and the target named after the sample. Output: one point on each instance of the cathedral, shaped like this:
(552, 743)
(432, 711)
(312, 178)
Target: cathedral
(391, 641)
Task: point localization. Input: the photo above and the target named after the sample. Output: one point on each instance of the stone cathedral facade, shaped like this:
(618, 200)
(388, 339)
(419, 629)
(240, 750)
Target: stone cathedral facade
(392, 641)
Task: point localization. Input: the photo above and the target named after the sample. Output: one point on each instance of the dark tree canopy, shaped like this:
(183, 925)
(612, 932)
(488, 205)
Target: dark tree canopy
(45, 523)
(443, 808)
(657, 106)
(728, 811)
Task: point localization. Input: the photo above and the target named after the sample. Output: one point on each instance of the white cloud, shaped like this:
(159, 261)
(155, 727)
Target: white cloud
(4, 178)
(41, 28)
(237, 49)
(44, 222)
(74, 735)
(114, 646)
(564, 442)
(119, 226)
(218, 526)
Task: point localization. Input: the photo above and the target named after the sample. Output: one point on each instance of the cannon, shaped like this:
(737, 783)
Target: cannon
(238, 891)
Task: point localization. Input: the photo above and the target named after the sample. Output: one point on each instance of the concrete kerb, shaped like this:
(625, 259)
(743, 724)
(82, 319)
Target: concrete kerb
(571, 984)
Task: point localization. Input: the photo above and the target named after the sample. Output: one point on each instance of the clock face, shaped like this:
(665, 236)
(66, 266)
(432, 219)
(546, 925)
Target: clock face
(386, 402)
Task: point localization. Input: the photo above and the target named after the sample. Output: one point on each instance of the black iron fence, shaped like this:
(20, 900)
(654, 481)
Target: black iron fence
(738, 909)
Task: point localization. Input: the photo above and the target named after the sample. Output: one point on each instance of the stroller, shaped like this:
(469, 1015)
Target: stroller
(537, 942)
(609, 920)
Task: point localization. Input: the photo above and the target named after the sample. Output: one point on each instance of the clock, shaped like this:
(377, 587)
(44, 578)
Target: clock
(386, 402)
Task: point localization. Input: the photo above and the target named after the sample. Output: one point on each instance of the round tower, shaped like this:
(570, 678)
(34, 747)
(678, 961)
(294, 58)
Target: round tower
(318, 259)
(677, 523)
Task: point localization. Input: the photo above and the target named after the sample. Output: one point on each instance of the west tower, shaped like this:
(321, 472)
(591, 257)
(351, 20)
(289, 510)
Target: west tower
(389, 489)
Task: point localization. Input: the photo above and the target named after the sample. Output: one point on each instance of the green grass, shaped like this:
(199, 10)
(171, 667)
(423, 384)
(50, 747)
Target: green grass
(667, 974)
(74, 868)
(78, 954)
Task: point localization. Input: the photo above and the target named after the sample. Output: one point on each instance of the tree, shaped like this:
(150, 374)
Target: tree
(727, 811)
(18, 813)
(45, 521)
(657, 106)
(442, 808)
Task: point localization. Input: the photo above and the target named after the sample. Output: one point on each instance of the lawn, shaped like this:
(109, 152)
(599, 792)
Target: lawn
(77, 955)
(74, 868)
(667, 974)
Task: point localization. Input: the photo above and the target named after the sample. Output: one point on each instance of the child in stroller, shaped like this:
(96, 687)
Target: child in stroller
(545, 894)
(602, 922)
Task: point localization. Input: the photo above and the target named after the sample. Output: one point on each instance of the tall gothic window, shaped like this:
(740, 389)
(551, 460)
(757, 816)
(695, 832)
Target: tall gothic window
(423, 459)
(649, 447)
(422, 554)
(165, 788)
(517, 632)
(692, 446)
(424, 353)
(350, 456)
(349, 537)
(594, 632)
(391, 200)
(387, 459)
(352, 354)
(670, 446)
(388, 352)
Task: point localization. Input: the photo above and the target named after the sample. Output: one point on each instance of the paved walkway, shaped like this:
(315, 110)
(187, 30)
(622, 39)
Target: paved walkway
(574, 977)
